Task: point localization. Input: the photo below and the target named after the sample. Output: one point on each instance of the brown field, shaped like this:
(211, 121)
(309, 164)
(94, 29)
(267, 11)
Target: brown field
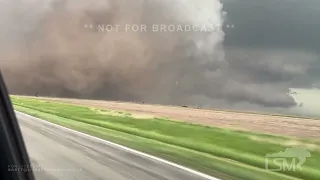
(280, 125)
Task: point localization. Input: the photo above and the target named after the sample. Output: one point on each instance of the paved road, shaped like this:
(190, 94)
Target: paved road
(58, 153)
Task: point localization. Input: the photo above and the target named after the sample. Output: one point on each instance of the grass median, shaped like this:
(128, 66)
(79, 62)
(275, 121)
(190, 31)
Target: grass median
(219, 152)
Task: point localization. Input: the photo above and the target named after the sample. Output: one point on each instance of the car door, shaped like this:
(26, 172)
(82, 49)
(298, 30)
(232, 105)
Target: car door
(14, 160)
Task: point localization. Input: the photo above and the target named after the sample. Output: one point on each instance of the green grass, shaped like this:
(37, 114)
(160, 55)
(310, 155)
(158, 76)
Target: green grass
(224, 153)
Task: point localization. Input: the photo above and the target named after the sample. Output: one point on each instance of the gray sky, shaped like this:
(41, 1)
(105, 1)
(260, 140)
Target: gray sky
(285, 32)
(274, 46)
(310, 100)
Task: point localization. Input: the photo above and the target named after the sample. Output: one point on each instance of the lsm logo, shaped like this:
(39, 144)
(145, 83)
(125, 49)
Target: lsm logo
(289, 160)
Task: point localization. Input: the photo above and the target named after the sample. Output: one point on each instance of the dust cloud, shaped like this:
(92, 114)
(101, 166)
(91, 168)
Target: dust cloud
(47, 47)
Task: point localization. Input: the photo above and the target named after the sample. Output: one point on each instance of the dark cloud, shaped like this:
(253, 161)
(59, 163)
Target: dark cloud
(284, 24)
(280, 38)
(58, 56)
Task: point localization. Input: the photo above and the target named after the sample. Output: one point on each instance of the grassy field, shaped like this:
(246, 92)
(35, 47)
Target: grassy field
(219, 152)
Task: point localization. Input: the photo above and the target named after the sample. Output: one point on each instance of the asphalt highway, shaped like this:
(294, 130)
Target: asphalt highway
(57, 153)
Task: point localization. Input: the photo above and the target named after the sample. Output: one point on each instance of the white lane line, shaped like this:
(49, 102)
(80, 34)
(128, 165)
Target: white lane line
(126, 149)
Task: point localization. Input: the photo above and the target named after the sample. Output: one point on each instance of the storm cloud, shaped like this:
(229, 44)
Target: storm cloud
(46, 48)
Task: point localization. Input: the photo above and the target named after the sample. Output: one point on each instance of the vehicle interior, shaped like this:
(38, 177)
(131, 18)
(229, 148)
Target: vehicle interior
(15, 163)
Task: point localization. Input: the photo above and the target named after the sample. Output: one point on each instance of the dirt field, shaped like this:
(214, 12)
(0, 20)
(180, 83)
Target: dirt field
(287, 126)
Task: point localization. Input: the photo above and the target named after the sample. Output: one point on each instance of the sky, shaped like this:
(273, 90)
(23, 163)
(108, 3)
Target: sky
(272, 49)
(310, 100)
(287, 30)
